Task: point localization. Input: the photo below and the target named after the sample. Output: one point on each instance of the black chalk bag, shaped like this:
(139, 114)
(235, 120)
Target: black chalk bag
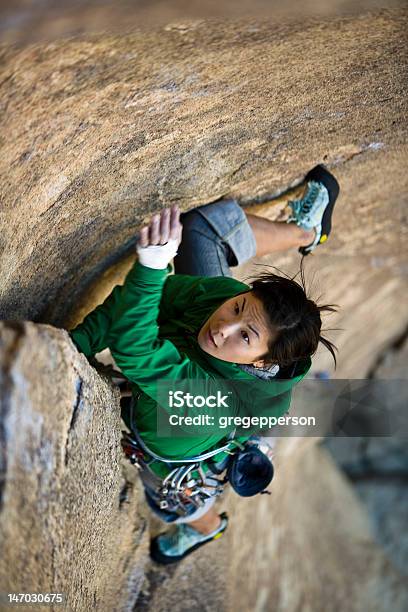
(249, 471)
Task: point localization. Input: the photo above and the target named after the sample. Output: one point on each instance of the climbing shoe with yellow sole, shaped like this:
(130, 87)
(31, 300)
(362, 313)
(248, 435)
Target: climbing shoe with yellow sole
(174, 545)
(314, 210)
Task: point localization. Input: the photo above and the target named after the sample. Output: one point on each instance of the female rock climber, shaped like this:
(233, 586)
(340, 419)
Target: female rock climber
(200, 323)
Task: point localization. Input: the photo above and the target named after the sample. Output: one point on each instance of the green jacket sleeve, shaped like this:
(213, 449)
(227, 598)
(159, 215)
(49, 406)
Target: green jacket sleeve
(91, 336)
(133, 336)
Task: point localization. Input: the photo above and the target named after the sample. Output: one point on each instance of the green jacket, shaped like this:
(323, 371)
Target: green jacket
(151, 325)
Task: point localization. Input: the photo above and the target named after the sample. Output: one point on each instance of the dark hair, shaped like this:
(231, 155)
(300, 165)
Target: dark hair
(294, 318)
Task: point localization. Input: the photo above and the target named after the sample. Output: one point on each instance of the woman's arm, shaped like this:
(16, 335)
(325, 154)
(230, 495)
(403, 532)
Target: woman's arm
(134, 339)
(127, 322)
(133, 336)
(91, 336)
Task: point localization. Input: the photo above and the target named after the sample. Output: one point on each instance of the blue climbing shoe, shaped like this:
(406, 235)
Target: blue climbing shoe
(174, 545)
(314, 210)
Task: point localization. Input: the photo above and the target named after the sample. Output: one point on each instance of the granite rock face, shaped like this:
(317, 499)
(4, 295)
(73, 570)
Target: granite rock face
(99, 132)
(71, 520)
(308, 547)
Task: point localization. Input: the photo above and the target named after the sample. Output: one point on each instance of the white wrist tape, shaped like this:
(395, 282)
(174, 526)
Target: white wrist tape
(157, 256)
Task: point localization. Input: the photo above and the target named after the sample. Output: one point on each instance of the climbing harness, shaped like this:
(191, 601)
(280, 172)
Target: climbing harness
(186, 486)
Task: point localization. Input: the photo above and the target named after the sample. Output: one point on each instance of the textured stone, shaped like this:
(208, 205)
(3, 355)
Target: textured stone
(98, 133)
(306, 547)
(70, 518)
(314, 549)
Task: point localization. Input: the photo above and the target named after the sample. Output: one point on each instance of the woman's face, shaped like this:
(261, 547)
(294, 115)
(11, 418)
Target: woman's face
(237, 331)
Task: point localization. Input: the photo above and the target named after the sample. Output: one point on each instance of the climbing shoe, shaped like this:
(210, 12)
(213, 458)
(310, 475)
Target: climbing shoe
(174, 545)
(314, 210)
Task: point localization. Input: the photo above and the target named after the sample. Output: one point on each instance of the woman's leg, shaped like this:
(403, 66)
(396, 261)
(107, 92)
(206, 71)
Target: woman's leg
(221, 235)
(216, 236)
(208, 523)
(274, 236)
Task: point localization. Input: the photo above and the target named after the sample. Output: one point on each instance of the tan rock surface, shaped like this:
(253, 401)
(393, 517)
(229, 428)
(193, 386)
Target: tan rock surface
(307, 547)
(97, 133)
(63, 528)
(314, 550)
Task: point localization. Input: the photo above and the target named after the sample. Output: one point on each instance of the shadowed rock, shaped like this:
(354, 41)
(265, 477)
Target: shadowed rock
(70, 520)
(101, 131)
(308, 546)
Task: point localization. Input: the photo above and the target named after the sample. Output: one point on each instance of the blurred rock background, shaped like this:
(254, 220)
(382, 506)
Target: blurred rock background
(33, 20)
(101, 127)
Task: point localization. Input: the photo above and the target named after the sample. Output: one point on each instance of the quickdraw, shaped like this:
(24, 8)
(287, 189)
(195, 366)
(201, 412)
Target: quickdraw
(184, 485)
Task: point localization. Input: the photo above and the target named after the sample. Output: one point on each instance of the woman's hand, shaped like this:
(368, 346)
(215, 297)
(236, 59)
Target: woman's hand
(162, 227)
(158, 242)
